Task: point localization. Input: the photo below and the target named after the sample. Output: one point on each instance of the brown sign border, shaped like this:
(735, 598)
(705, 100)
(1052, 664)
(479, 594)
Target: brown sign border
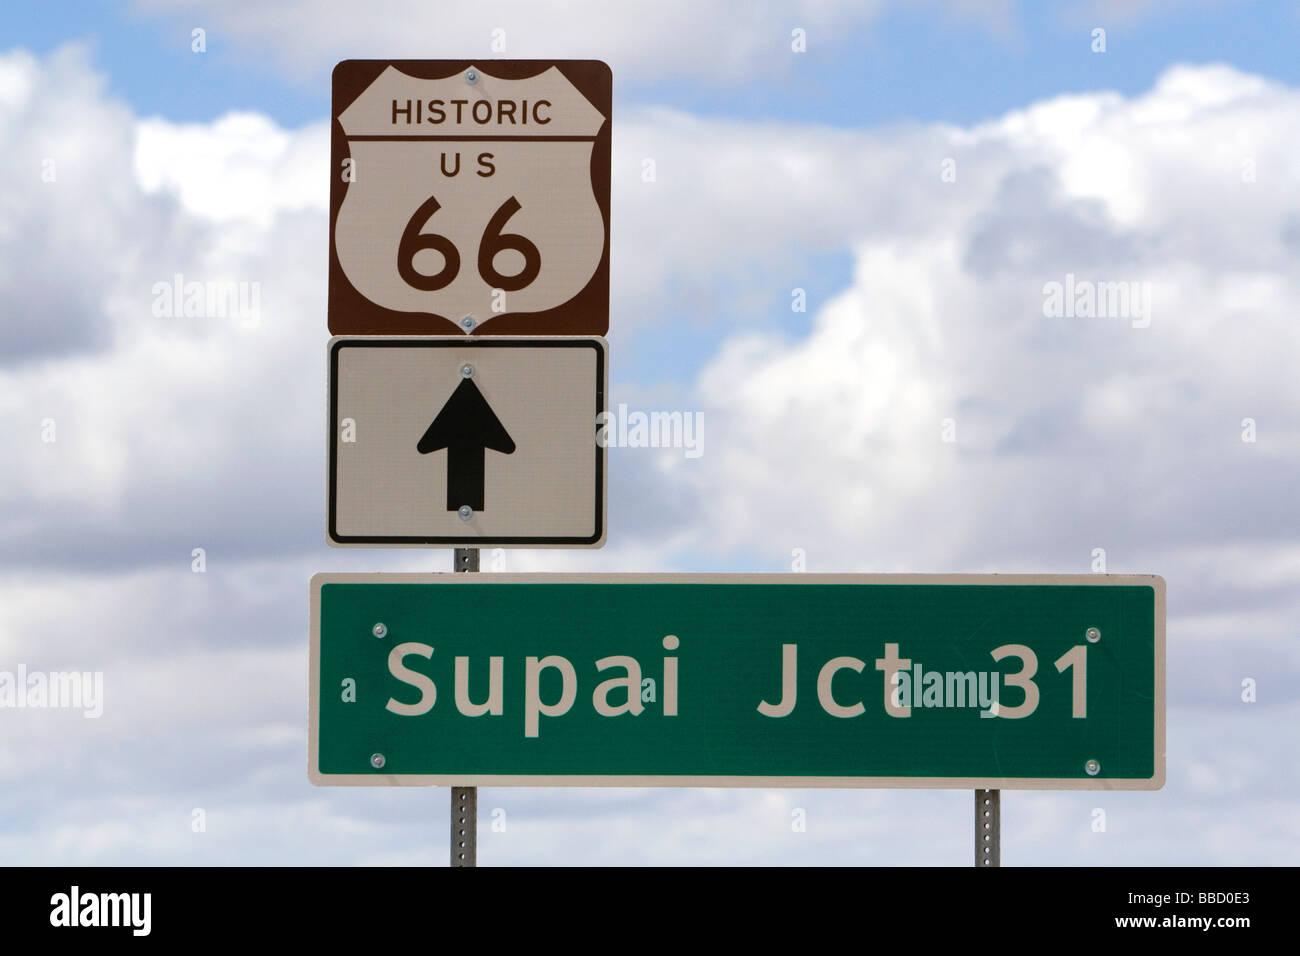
(587, 313)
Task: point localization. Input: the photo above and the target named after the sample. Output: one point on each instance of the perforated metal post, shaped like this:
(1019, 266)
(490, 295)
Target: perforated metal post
(464, 800)
(988, 828)
(464, 826)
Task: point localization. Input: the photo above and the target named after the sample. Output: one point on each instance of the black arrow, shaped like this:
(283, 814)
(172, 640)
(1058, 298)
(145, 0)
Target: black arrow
(466, 427)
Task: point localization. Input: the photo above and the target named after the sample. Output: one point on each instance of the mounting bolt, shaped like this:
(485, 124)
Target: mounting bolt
(380, 630)
(1093, 635)
(468, 323)
(471, 77)
(467, 371)
(465, 512)
(1092, 768)
(377, 761)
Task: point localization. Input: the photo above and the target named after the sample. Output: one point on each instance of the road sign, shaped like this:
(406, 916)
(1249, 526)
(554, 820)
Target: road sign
(947, 681)
(466, 442)
(470, 195)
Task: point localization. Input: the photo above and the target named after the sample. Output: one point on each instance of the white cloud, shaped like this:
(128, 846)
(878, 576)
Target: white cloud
(240, 167)
(1071, 432)
(643, 40)
(61, 210)
(1130, 13)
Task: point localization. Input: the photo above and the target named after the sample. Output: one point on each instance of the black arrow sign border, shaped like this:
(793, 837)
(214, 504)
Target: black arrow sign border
(460, 342)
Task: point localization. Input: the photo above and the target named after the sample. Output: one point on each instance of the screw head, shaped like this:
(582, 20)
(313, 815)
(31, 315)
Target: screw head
(377, 761)
(468, 323)
(1092, 768)
(467, 371)
(471, 77)
(380, 630)
(1093, 635)
(465, 512)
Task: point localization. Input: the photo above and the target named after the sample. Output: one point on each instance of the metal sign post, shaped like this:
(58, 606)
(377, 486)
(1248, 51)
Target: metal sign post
(464, 800)
(988, 827)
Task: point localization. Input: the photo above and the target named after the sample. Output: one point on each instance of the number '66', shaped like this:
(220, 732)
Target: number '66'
(493, 241)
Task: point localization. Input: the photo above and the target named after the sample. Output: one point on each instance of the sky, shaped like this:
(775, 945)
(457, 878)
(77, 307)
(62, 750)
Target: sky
(922, 171)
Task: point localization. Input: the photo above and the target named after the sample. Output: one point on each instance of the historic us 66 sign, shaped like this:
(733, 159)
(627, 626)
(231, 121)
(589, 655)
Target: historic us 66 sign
(470, 196)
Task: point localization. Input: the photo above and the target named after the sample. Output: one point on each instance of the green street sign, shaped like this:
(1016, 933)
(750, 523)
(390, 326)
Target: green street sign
(998, 681)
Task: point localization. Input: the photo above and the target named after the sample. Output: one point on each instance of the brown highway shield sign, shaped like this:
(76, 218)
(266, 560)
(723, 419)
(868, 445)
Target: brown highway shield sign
(470, 196)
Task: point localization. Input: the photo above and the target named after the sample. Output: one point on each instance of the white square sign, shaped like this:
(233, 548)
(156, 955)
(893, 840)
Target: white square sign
(466, 442)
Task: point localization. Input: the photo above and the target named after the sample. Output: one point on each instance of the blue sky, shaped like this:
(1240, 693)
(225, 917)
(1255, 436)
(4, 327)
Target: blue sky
(1173, 167)
(911, 64)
